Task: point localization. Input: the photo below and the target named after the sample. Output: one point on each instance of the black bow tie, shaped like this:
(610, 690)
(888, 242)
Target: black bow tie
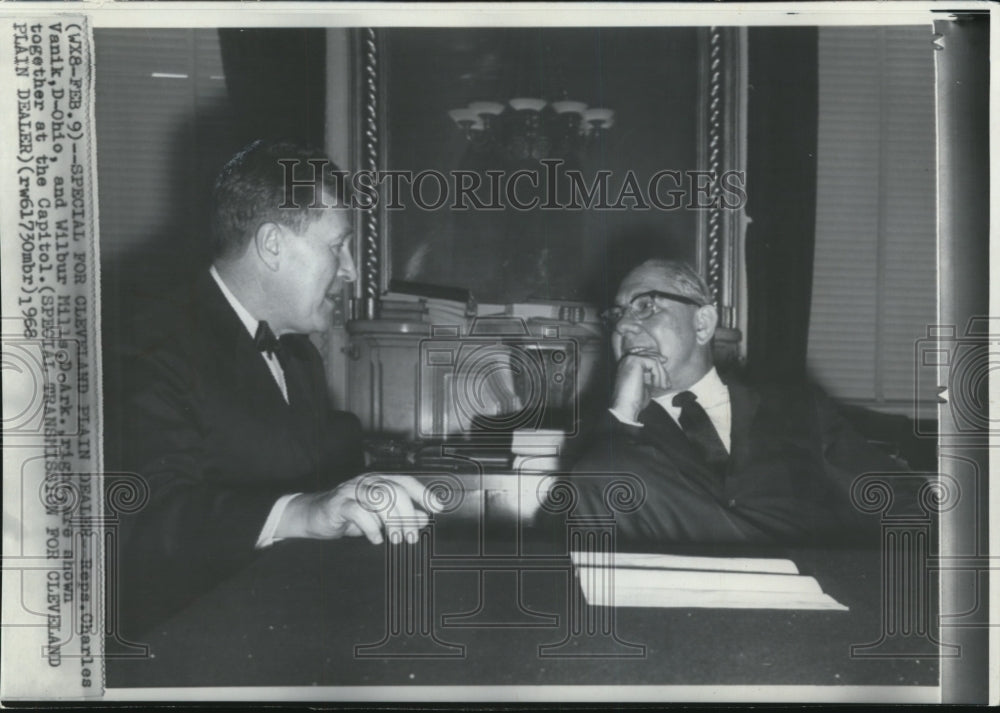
(265, 340)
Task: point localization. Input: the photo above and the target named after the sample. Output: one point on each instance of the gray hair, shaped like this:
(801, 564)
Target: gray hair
(685, 278)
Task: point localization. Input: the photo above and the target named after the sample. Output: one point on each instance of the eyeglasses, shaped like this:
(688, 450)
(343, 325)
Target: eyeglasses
(643, 306)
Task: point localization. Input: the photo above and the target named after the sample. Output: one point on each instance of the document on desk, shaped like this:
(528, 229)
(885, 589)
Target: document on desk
(654, 580)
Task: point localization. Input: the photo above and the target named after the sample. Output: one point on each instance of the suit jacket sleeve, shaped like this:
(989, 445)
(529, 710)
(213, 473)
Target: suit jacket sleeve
(660, 504)
(201, 422)
(341, 431)
(847, 455)
(824, 456)
(193, 519)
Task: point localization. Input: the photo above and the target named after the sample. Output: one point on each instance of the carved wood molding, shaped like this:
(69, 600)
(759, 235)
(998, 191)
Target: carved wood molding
(372, 254)
(722, 125)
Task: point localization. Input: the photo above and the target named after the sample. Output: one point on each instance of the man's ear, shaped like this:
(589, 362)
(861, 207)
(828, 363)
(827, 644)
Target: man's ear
(705, 321)
(267, 243)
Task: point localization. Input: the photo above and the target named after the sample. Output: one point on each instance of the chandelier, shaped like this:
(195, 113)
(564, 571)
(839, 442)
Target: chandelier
(527, 128)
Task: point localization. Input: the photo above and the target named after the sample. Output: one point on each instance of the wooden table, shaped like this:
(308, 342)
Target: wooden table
(495, 611)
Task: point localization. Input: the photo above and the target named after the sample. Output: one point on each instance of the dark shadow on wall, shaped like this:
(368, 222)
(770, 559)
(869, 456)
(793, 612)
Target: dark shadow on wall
(630, 246)
(275, 87)
(171, 253)
(276, 80)
(782, 125)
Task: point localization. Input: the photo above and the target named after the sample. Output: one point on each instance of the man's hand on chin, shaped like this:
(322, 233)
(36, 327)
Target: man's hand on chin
(641, 374)
(370, 504)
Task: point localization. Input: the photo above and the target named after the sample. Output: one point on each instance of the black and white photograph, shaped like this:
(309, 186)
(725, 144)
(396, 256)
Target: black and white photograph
(580, 353)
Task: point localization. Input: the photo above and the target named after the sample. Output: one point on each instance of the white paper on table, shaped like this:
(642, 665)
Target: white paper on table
(660, 561)
(701, 599)
(653, 580)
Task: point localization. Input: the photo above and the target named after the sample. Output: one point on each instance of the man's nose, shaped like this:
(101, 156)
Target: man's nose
(346, 271)
(627, 325)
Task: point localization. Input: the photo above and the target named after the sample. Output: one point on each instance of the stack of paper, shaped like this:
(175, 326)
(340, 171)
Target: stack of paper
(535, 464)
(537, 450)
(652, 580)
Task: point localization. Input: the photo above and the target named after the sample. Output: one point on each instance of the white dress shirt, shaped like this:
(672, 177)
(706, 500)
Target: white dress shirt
(266, 537)
(251, 323)
(713, 396)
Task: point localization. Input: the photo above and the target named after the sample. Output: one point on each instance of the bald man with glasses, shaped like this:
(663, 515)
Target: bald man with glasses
(720, 461)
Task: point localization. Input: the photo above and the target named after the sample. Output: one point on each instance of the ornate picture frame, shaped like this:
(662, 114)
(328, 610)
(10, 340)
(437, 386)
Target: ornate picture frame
(719, 117)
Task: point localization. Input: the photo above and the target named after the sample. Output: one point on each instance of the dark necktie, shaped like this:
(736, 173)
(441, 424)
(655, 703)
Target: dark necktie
(701, 432)
(266, 342)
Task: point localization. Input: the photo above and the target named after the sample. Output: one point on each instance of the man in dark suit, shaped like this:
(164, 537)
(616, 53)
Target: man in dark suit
(720, 462)
(225, 413)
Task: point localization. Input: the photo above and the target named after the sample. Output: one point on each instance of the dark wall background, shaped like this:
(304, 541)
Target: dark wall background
(277, 82)
(782, 123)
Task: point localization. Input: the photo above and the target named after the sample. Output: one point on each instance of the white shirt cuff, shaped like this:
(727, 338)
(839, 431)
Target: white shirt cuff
(267, 538)
(623, 419)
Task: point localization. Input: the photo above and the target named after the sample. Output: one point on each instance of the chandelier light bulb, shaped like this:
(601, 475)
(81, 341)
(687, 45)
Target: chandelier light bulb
(527, 104)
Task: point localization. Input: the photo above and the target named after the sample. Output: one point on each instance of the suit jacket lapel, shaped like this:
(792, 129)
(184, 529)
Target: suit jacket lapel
(295, 421)
(235, 345)
(304, 402)
(660, 430)
(743, 407)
